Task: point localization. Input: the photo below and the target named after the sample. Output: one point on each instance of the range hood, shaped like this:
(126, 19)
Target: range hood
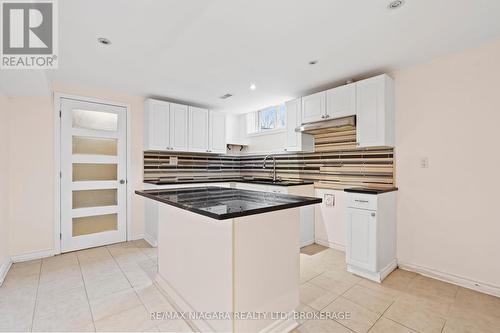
(337, 123)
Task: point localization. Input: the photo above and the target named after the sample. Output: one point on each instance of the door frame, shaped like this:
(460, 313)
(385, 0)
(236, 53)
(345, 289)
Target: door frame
(57, 96)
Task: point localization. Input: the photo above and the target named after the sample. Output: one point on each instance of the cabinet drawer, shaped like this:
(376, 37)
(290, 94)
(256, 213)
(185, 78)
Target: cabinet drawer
(277, 189)
(362, 201)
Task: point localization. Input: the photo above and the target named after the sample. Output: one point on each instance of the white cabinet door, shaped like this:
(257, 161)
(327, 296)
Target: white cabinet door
(157, 131)
(217, 137)
(375, 112)
(361, 238)
(293, 120)
(251, 187)
(178, 127)
(341, 101)
(277, 189)
(198, 130)
(314, 107)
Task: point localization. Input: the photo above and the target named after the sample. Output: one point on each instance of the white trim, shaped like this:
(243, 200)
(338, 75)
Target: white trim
(135, 237)
(461, 281)
(33, 255)
(335, 246)
(282, 325)
(4, 269)
(307, 243)
(57, 96)
(151, 240)
(374, 276)
(266, 132)
(181, 305)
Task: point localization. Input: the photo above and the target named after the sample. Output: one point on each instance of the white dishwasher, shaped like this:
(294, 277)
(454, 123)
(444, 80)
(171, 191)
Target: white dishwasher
(371, 233)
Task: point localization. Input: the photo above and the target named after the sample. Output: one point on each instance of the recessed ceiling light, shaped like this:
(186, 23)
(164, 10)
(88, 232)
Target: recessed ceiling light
(313, 62)
(396, 4)
(104, 41)
(253, 86)
(225, 96)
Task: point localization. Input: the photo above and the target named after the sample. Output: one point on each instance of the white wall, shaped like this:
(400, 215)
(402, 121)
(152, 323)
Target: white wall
(260, 143)
(449, 111)
(30, 173)
(30, 167)
(4, 184)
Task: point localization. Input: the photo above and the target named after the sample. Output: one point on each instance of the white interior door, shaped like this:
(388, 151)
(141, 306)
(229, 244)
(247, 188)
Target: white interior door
(93, 174)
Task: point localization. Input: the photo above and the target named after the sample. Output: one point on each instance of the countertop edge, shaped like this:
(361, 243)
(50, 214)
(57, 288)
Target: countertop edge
(246, 181)
(310, 201)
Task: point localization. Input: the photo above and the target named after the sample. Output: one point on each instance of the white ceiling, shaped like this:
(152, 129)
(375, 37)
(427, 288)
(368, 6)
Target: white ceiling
(197, 50)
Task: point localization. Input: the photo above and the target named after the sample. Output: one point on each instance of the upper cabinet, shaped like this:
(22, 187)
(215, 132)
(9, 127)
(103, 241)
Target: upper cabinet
(296, 141)
(341, 101)
(375, 112)
(198, 130)
(177, 127)
(156, 123)
(217, 132)
(314, 107)
(370, 100)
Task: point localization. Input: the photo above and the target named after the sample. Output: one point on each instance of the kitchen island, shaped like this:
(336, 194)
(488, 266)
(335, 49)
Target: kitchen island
(229, 258)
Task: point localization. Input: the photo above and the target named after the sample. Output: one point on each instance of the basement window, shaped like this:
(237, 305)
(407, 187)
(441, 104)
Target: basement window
(268, 119)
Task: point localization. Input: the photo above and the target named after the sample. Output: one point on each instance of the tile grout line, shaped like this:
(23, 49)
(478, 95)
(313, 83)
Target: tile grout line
(36, 296)
(86, 293)
(131, 286)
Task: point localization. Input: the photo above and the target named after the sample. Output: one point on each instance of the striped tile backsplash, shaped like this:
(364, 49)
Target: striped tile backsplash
(336, 163)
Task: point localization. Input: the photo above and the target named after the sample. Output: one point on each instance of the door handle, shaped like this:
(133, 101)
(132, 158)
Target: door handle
(122, 181)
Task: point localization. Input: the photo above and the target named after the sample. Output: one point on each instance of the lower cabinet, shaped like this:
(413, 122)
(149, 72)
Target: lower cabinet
(371, 235)
(361, 237)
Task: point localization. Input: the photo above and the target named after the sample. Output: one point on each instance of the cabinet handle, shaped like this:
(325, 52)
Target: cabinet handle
(372, 214)
(327, 116)
(322, 116)
(363, 201)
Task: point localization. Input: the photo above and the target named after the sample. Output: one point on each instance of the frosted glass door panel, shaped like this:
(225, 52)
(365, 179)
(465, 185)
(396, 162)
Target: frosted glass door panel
(94, 224)
(95, 120)
(95, 146)
(90, 172)
(94, 198)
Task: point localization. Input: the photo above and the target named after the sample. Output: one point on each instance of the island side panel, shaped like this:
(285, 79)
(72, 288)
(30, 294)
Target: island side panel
(195, 260)
(266, 267)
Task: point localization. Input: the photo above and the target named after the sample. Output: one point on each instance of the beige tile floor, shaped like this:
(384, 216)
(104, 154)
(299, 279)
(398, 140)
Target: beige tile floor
(111, 289)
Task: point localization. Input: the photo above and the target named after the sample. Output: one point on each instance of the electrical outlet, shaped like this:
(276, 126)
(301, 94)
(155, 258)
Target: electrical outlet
(173, 160)
(329, 200)
(424, 162)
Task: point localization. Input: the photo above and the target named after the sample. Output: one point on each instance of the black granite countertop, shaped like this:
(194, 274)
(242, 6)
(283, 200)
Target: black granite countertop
(369, 190)
(226, 203)
(260, 181)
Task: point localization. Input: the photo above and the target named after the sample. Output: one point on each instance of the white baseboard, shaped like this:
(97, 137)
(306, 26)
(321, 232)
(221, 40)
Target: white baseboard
(284, 325)
(181, 305)
(309, 242)
(374, 276)
(482, 287)
(151, 240)
(331, 245)
(4, 269)
(33, 255)
(136, 237)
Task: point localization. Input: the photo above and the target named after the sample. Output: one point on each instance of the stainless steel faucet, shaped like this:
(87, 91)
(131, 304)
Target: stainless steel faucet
(274, 166)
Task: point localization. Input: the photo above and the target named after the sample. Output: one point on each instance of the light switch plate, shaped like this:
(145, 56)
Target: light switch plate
(329, 200)
(173, 160)
(424, 162)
